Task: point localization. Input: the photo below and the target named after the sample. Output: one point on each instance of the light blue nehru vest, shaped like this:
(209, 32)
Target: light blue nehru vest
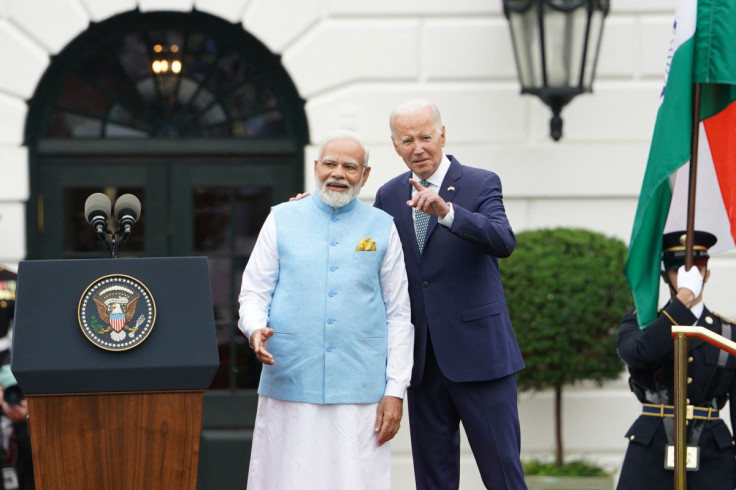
(327, 311)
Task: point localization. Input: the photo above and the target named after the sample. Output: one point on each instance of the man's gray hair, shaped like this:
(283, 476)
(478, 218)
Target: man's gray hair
(344, 134)
(412, 106)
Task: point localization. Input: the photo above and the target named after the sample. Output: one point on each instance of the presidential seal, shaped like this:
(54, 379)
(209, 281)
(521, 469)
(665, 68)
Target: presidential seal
(116, 312)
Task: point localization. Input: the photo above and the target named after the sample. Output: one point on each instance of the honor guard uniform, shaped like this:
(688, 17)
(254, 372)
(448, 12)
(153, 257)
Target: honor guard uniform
(649, 355)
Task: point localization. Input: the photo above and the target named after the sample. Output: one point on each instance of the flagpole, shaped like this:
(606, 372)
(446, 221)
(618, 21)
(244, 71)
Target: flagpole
(681, 341)
(694, 140)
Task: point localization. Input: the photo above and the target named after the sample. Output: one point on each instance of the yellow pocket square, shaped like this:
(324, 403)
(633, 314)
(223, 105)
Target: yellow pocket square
(366, 245)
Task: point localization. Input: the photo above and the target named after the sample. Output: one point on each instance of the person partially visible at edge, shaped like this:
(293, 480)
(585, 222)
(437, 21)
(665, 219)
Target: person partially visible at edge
(16, 458)
(649, 355)
(325, 305)
(8, 282)
(453, 228)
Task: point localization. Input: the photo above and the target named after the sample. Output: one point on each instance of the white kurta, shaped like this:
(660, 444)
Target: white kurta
(323, 447)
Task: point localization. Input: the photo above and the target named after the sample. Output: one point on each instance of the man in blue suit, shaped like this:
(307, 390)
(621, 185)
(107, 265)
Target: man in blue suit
(453, 229)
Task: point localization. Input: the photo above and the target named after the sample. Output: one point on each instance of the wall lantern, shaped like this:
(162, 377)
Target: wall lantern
(165, 59)
(166, 66)
(556, 45)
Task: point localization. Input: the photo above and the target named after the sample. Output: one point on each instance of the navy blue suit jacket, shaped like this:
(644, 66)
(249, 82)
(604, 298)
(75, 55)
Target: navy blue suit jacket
(455, 285)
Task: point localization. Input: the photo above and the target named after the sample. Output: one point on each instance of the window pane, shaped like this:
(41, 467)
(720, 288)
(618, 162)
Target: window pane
(66, 124)
(263, 125)
(123, 117)
(78, 96)
(252, 205)
(167, 83)
(134, 55)
(227, 221)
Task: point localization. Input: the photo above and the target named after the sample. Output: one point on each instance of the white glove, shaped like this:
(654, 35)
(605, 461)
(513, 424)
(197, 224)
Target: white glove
(691, 280)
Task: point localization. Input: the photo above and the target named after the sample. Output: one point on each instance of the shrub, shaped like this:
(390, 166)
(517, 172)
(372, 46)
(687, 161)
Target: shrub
(566, 293)
(571, 468)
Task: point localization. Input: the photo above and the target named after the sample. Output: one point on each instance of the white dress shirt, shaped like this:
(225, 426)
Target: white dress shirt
(435, 183)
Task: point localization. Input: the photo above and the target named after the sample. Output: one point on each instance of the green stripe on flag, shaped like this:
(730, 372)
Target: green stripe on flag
(715, 64)
(714, 42)
(669, 150)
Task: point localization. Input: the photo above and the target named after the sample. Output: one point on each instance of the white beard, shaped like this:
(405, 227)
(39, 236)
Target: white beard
(333, 198)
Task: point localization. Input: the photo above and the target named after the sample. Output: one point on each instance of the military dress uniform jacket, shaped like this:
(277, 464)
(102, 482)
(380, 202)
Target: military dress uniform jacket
(8, 281)
(649, 354)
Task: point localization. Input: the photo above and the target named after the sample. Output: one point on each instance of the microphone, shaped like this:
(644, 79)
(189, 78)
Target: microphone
(97, 211)
(127, 211)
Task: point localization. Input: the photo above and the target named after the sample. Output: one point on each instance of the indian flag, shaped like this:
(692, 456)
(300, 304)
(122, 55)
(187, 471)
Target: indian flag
(703, 50)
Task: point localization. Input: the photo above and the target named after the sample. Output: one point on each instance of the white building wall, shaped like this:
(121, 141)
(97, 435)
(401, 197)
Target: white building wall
(352, 61)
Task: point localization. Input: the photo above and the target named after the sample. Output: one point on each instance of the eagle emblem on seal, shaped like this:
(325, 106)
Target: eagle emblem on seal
(116, 312)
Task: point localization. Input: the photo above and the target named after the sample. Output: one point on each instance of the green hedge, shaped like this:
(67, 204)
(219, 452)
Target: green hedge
(566, 293)
(571, 468)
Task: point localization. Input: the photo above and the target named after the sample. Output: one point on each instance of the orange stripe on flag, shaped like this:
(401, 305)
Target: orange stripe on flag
(721, 132)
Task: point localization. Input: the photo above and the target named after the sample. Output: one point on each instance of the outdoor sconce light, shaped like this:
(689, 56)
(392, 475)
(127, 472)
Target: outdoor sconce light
(556, 45)
(165, 60)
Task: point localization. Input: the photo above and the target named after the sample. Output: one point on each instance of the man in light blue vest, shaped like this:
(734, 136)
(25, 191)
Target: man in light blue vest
(325, 305)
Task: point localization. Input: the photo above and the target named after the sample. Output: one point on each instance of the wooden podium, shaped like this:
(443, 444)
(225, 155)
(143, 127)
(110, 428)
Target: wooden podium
(101, 418)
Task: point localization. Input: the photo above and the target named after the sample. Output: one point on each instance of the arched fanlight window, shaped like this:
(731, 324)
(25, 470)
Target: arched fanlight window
(168, 76)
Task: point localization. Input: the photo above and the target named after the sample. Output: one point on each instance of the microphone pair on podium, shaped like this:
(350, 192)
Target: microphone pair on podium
(97, 209)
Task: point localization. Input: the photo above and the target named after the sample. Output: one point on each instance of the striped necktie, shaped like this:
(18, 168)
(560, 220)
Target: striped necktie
(422, 220)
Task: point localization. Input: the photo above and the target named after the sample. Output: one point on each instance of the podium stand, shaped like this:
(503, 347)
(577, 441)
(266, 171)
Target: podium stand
(101, 418)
